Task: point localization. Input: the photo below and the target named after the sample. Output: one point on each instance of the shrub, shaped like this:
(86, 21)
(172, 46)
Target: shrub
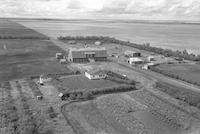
(51, 112)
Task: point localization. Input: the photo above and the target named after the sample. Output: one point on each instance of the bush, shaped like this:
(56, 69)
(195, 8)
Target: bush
(87, 95)
(51, 112)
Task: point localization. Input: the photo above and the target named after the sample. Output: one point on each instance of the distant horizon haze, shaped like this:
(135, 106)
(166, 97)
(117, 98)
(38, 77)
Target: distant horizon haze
(174, 36)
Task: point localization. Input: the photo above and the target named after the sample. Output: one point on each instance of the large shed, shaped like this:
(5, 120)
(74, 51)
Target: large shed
(87, 54)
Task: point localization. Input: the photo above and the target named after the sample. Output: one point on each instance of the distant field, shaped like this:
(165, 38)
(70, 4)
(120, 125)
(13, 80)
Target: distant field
(173, 36)
(12, 29)
(29, 54)
(187, 72)
(81, 82)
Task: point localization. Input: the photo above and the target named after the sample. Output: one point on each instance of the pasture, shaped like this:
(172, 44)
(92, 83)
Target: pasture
(187, 72)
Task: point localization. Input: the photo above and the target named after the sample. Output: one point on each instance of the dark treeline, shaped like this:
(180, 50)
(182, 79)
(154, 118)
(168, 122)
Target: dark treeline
(166, 52)
(24, 37)
(91, 93)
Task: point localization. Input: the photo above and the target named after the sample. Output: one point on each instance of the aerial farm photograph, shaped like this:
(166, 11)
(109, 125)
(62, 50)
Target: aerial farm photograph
(99, 67)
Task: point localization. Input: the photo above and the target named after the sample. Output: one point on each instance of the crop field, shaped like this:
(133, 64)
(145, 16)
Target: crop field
(186, 72)
(10, 29)
(22, 113)
(23, 58)
(176, 117)
(116, 114)
(190, 97)
(100, 116)
(76, 82)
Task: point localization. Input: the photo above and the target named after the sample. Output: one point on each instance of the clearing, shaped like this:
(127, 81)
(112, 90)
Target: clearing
(76, 82)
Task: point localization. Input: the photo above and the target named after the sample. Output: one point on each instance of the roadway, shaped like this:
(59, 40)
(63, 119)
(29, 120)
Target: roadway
(159, 77)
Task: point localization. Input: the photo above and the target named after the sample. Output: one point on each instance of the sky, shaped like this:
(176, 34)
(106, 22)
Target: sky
(103, 9)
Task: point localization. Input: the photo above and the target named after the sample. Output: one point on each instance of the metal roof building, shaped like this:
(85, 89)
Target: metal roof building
(87, 54)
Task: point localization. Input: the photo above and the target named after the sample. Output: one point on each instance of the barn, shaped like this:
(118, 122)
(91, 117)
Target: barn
(88, 54)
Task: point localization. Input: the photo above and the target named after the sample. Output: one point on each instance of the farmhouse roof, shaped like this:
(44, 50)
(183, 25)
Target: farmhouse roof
(95, 72)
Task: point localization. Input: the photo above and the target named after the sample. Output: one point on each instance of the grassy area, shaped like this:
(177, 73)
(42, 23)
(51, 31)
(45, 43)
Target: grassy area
(77, 82)
(114, 114)
(24, 50)
(186, 72)
(28, 57)
(9, 29)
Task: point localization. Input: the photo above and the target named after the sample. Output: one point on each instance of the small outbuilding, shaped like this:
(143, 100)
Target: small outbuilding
(135, 60)
(129, 53)
(151, 58)
(63, 61)
(98, 43)
(95, 74)
(146, 66)
(59, 55)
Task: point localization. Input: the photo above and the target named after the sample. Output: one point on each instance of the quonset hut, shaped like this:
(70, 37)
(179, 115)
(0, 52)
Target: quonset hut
(88, 54)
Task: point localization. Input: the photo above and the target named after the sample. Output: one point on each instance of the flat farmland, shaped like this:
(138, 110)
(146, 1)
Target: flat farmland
(23, 50)
(115, 114)
(187, 72)
(12, 29)
(77, 82)
(22, 58)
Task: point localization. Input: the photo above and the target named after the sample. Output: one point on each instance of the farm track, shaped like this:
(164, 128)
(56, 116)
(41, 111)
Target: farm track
(75, 125)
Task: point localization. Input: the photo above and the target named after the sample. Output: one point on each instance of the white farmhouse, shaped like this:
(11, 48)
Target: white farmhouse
(94, 75)
(135, 60)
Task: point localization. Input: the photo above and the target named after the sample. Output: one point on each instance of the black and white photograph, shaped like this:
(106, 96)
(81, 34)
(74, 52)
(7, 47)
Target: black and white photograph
(99, 66)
